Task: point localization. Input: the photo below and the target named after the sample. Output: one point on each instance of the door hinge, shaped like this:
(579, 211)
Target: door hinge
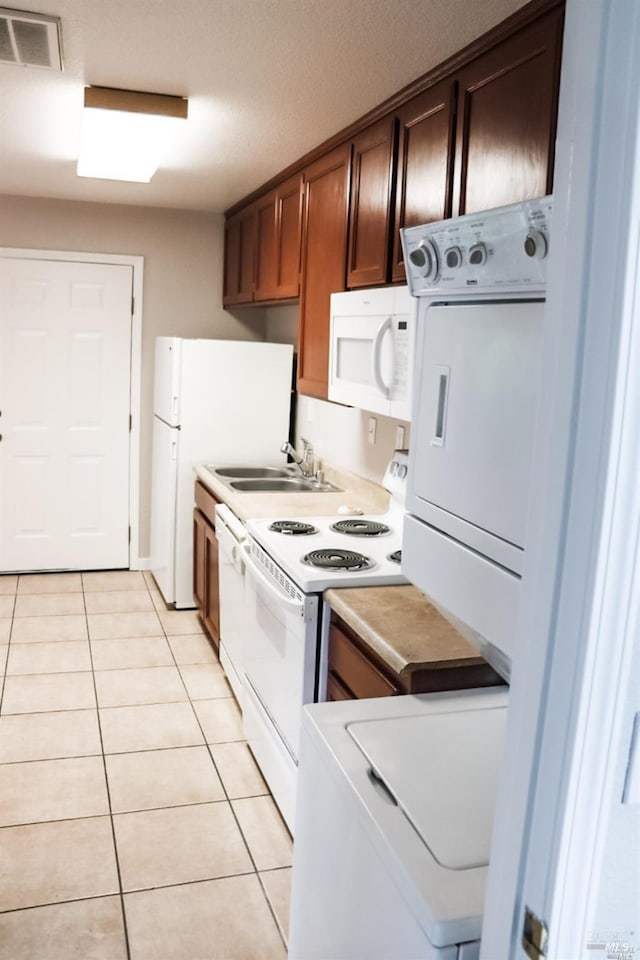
(129, 534)
(133, 305)
(130, 423)
(534, 935)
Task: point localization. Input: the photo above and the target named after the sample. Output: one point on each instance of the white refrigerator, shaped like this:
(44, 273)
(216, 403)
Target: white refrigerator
(218, 402)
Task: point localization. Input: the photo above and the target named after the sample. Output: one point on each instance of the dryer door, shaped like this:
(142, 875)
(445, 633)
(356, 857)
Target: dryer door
(474, 421)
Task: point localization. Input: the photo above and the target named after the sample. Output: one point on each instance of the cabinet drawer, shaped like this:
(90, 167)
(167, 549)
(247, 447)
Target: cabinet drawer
(206, 502)
(354, 670)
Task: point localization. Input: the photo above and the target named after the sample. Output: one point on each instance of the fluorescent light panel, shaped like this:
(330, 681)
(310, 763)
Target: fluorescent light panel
(126, 134)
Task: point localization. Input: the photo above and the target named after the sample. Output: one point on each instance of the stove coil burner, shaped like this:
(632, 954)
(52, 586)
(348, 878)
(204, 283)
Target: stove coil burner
(360, 528)
(337, 560)
(295, 528)
(396, 556)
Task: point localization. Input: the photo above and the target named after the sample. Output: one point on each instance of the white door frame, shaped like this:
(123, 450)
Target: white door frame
(135, 392)
(580, 614)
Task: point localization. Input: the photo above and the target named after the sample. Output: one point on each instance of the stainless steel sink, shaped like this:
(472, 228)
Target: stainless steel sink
(269, 480)
(281, 485)
(266, 472)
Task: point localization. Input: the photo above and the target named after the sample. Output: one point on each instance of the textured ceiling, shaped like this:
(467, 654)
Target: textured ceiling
(267, 80)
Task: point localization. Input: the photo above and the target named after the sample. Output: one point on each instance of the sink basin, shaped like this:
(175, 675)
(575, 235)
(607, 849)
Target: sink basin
(281, 485)
(269, 480)
(273, 485)
(266, 472)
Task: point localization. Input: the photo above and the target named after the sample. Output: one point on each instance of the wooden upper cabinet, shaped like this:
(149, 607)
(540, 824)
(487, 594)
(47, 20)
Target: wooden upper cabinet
(239, 257)
(265, 256)
(324, 254)
(370, 213)
(506, 123)
(289, 200)
(425, 163)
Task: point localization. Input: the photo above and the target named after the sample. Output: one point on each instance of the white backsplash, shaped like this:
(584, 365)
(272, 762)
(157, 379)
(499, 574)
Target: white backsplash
(340, 436)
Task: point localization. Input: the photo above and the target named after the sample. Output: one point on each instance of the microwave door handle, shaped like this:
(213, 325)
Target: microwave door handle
(377, 358)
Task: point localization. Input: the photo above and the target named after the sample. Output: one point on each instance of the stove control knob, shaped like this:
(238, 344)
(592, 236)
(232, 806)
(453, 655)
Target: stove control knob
(402, 471)
(453, 258)
(424, 258)
(477, 254)
(535, 245)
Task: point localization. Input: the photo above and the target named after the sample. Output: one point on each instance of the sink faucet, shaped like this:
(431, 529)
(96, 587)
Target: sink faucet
(305, 462)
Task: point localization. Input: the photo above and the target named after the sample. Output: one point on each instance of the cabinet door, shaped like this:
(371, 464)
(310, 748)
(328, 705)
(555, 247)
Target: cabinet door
(370, 216)
(506, 123)
(425, 163)
(324, 250)
(288, 216)
(211, 612)
(239, 257)
(199, 525)
(265, 255)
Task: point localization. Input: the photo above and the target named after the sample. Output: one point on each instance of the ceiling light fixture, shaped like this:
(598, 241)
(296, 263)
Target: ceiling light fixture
(126, 134)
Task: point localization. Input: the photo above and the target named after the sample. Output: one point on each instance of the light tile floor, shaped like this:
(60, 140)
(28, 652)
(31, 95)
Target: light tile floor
(134, 822)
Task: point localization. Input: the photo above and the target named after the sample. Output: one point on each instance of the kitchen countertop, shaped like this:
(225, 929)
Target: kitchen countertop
(368, 496)
(403, 628)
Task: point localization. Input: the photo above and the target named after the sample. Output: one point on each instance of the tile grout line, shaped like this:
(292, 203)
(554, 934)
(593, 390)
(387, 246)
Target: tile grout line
(256, 872)
(6, 657)
(106, 780)
(227, 798)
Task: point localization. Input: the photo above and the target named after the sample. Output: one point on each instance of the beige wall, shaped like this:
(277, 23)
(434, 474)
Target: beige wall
(182, 252)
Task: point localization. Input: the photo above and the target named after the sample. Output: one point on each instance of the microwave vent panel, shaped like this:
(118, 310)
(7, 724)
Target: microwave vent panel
(30, 39)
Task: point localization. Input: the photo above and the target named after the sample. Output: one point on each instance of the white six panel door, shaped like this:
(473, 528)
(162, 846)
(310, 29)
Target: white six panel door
(65, 359)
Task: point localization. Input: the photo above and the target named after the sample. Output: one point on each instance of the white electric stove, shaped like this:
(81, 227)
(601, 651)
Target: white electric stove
(289, 563)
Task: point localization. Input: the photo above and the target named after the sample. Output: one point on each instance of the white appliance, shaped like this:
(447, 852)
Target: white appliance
(230, 534)
(396, 796)
(393, 826)
(371, 350)
(214, 401)
(480, 281)
(283, 656)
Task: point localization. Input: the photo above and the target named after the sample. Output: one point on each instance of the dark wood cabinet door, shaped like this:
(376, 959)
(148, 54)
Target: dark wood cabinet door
(265, 254)
(507, 109)
(211, 612)
(370, 213)
(239, 257)
(199, 525)
(424, 181)
(324, 250)
(288, 216)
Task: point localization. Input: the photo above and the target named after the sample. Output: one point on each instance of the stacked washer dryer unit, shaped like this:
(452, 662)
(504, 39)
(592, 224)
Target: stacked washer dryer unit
(396, 796)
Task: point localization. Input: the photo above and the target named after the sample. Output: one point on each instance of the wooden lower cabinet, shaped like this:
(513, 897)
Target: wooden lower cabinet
(355, 672)
(206, 588)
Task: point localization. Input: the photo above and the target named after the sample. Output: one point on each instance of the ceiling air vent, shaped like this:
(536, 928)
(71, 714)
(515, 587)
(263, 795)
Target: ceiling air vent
(30, 39)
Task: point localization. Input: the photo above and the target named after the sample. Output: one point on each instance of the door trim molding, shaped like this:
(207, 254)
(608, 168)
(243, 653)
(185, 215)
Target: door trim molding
(135, 391)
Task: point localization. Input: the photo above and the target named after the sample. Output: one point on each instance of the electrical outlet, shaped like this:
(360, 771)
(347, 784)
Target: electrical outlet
(371, 435)
(399, 437)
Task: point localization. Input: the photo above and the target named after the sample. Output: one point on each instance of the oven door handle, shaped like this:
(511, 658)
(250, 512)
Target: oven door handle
(377, 358)
(280, 596)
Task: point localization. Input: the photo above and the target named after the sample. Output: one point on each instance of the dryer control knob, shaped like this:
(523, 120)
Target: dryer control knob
(535, 245)
(477, 254)
(424, 258)
(453, 258)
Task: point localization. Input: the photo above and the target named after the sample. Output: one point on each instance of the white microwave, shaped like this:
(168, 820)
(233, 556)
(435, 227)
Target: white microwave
(371, 350)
